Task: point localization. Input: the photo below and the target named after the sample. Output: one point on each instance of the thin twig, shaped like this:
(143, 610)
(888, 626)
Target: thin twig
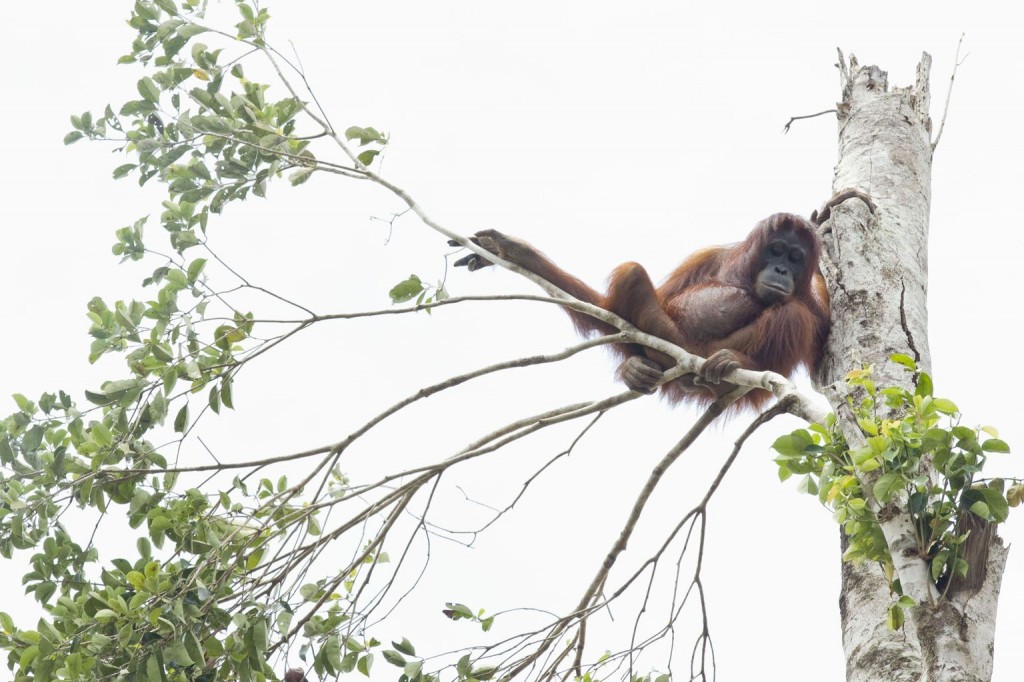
(586, 602)
(785, 128)
(949, 94)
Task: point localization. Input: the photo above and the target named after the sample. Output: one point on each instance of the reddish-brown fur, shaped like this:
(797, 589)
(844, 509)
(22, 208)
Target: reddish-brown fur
(706, 305)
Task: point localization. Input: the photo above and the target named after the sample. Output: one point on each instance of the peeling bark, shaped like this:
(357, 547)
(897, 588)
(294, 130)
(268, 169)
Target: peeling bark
(877, 269)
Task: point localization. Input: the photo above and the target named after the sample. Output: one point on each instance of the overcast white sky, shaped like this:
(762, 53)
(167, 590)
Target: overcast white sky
(602, 132)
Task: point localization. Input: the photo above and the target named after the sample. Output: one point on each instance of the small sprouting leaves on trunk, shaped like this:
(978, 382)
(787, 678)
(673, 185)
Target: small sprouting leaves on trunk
(929, 427)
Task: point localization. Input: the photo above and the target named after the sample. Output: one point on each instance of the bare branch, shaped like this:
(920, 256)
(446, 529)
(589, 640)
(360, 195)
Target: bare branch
(586, 603)
(785, 128)
(949, 94)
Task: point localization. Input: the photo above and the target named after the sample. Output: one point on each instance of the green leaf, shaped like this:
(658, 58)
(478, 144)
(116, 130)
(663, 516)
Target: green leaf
(995, 445)
(124, 170)
(365, 663)
(195, 268)
(149, 90)
(34, 438)
(939, 563)
(980, 508)
(6, 451)
(406, 290)
(484, 673)
(365, 135)
(72, 137)
(44, 591)
(962, 432)
(177, 653)
(413, 669)
(394, 658)
(997, 504)
(332, 652)
(807, 485)
(794, 444)
(193, 646)
(887, 486)
(300, 176)
(895, 617)
(868, 426)
(28, 655)
(918, 502)
(227, 334)
(24, 404)
(458, 611)
(259, 636)
(161, 352)
(136, 579)
(869, 465)
(167, 6)
(225, 393)
(905, 360)
(934, 438)
(181, 420)
(191, 30)
(405, 646)
(944, 406)
(464, 665)
(101, 434)
(861, 455)
(924, 385)
(367, 157)
(284, 622)
(254, 559)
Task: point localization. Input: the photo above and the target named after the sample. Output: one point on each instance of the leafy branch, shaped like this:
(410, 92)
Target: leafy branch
(236, 561)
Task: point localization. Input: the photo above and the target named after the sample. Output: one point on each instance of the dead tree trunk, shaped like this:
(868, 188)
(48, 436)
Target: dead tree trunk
(877, 269)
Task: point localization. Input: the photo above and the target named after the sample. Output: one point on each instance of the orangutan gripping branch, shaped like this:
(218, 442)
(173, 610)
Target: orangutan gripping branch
(760, 304)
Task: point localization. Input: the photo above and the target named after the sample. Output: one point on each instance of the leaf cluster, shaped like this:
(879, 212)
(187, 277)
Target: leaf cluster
(415, 288)
(200, 126)
(919, 459)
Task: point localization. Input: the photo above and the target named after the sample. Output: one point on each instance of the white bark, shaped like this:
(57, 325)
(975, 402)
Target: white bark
(877, 269)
